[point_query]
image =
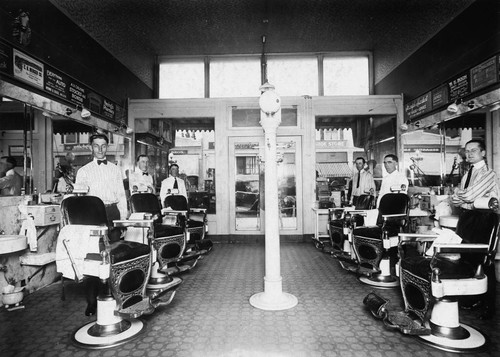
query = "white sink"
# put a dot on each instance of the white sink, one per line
(12, 243)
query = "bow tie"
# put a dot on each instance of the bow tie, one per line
(105, 162)
(145, 173)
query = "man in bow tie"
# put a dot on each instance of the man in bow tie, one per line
(104, 180)
(140, 180)
(173, 185)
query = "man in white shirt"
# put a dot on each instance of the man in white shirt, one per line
(140, 180)
(104, 180)
(393, 179)
(172, 185)
(479, 181)
(362, 181)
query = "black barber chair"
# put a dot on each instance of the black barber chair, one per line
(120, 268)
(341, 223)
(432, 286)
(376, 247)
(196, 221)
(168, 241)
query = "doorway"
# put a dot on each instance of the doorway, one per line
(247, 202)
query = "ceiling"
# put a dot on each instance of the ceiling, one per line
(136, 31)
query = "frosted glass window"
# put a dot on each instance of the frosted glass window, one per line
(293, 76)
(182, 79)
(235, 77)
(346, 76)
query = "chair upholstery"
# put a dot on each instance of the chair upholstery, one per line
(196, 220)
(376, 244)
(472, 227)
(129, 260)
(430, 285)
(339, 222)
(169, 240)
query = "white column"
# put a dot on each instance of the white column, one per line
(273, 297)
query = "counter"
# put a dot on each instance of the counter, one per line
(30, 269)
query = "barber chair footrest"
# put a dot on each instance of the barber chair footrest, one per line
(143, 307)
(367, 271)
(393, 320)
(164, 296)
(347, 262)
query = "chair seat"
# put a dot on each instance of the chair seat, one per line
(162, 230)
(450, 269)
(338, 223)
(195, 224)
(123, 250)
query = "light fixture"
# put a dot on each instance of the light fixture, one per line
(452, 108)
(269, 101)
(85, 113)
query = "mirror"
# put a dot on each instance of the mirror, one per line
(435, 156)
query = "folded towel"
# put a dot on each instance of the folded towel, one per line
(79, 243)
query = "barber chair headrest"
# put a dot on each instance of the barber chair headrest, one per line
(176, 202)
(86, 210)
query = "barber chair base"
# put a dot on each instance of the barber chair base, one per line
(380, 281)
(94, 336)
(475, 342)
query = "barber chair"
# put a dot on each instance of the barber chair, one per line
(195, 218)
(122, 267)
(341, 223)
(376, 246)
(168, 239)
(432, 286)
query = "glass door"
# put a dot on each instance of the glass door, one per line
(247, 173)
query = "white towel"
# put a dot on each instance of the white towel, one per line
(28, 229)
(80, 243)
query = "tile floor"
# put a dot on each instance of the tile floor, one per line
(211, 316)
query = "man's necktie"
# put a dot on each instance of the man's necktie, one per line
(175, 184)
(359, 176)
(145, 174)
(469, 174)
(105, 162)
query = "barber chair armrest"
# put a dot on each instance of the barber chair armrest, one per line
(459, 287)
(461, 248)
(416, 237)
(165, 211)
(198, 210)
(358, 212)
(145, 223)
(387, 217)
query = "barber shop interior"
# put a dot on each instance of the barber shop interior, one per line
(247, 178)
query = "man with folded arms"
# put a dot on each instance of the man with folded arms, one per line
(140, 180)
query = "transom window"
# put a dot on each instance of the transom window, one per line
(292, 75)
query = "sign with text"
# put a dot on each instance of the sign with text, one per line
(459, 87)
(439, 96)
(28, 69)
(418, 106)
(484, 74)
(52, 81)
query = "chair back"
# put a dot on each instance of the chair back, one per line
(479, 226)
(86, 210)
(176, 202)
(393, 203)
(365, 202)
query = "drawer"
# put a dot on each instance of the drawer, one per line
(45, 215)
